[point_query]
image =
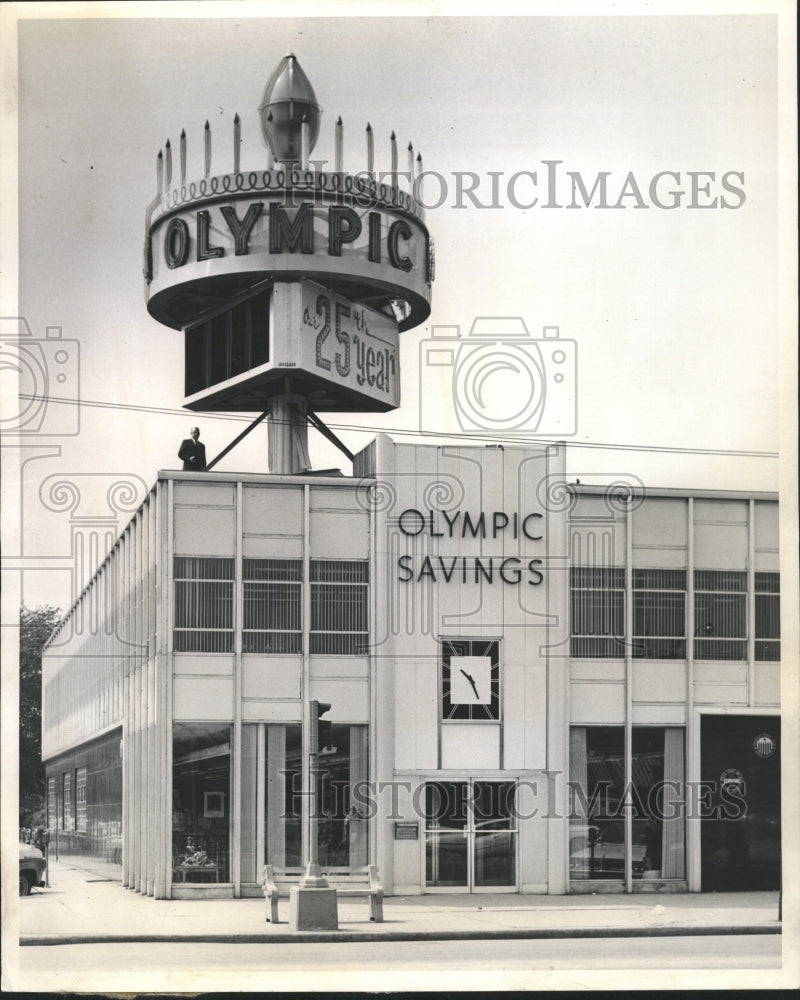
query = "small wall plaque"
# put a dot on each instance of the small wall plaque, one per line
(406, 831)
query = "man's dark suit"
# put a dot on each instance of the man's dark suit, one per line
(191, 449)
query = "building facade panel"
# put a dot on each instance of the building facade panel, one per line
(200, 664)
(204, 531)
(503, 661)
(202, 698)
(768, 684)
(659, 681)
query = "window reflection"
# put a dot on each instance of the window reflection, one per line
(201, 760)
(342, 828)
(600, 801)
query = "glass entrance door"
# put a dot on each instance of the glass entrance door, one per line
(470, 836)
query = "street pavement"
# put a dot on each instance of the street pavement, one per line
(89, 907)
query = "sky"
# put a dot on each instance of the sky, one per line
(673, 315)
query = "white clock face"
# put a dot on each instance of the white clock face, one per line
(470, 680)
(470, 677)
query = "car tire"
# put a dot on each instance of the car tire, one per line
(25, 884)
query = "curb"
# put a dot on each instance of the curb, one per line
(318, 937)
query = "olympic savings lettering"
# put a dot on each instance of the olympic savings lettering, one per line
(471, 569)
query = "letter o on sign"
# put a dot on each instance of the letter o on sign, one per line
(419, 525)
(176, 243)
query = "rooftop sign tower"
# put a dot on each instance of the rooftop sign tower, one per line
(290, 282)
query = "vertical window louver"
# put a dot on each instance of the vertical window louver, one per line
(720, 615)
(272, 606)
(203, 605)
(339, 616)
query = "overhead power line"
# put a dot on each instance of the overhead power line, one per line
(510, 438)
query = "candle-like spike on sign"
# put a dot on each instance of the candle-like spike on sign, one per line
(207, 141)
(418, 182)
(237, 142)
(370, 151)
(167, 164)
(393, 141)
(338, 146)
(410, 167)
(305, 142)
(160, 172)
(183, 155)
(270, 159)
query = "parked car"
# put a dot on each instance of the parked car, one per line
(601, 854)
(31, 868)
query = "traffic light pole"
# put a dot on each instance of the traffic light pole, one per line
(312, 903)
(313, 876)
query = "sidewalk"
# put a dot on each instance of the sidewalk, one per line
(85, 907)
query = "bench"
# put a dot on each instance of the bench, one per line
(361, 882)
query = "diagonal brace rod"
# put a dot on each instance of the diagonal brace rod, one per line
(236, 440)
(328, 433)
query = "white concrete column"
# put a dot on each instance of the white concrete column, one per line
(261, 779)
(288, 436)
(236, 755)
(693, 822)
(165, 644)
(557, 736)
(628, 631)
(751, 604)
(305, 683)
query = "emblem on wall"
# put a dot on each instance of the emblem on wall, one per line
(764, 745)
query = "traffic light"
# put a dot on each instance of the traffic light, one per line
(320, 729)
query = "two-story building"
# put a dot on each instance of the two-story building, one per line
(535, 687)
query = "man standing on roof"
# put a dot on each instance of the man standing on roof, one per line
(193, 452)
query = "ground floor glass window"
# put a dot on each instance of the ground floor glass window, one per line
(201, 794)
(600, 799)
(343, 823)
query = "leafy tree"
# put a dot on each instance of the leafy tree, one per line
(34, 630)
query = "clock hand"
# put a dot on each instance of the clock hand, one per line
(471, 680)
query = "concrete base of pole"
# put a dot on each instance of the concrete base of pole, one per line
(313, 909)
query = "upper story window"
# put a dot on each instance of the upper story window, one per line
(203, 605)
(272, 619)
(598, 611)
(768, 616)
(339, 613)
(659, 614)
(660, 609)
(720, 615)
(273, 602)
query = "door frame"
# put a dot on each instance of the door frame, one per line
(470, 834)
(693, 773)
